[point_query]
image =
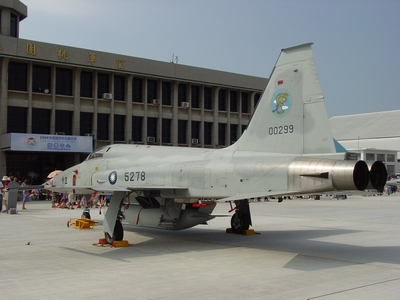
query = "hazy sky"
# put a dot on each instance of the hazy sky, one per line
(356, 42)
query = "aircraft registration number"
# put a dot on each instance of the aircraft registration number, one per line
(286, 129)
(135, 176)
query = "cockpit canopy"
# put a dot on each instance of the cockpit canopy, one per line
(98, 152)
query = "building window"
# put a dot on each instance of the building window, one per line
(256, 99)
(64, 121)
(195, 130)
(370, 156)
(222, 134)
(195, 94)
(245, 103)
(41, 120)
(137, 90)
(207, 98)
(119, 127)
(103, 84)
(152, 128)
(87, 84)
(208, 133)
(390, 157)
(234, 129)
(166, 131)
(17, 76)
(222, 100)
(182, 93)
(102, 127)
(233, 101)
(17, 119)
(14, 26)
(137, 126)
(41, 79)
(166, 93)
(182, 130)
(64, 82)
(380, 157)
(86, 120)
(390, 169)
(244, 128)
(151, 90)
(119, 88)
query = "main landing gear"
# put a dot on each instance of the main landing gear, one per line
(241, 219)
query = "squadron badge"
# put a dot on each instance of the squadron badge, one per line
(281, 102)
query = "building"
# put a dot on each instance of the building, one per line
(58, 102)
(375, 136)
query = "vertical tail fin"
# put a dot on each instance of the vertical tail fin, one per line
(291, 115)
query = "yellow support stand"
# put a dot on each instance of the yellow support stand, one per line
(82, 223)
(244, 232)
(115, 244)
(118, 244)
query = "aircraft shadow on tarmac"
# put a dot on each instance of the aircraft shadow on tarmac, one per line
(311, 254)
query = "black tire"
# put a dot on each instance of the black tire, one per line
(86, 215)
(239, 223)
(118, 233)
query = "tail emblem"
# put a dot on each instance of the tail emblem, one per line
(281, 103)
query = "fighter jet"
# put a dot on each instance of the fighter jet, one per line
(287, 149)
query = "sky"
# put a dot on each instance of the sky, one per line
(356, 42)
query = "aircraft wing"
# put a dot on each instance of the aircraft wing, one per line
(259, 195)
(290, 193)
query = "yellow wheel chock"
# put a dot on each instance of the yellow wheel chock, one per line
(82, 223)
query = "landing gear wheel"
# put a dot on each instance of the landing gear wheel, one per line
(86, 215)
(118, 233)
(239, 222)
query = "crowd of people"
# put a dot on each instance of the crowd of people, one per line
(25, 195)
(57, 200)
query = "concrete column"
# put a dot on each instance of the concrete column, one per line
(29, 87)
(239, 129)
(252, 108)
(53, 100)
(144, 100)
(228, 120)
(201, 136)
(216, 119)
(95, 108)
(189, 125)
(159, 120)
(129, 108)
(175, 106)
(3, 110)
(76, 118)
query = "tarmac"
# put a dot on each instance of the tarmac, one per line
(304, 249)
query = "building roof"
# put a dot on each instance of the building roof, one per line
(104, 61)
(379, 130)
(378, 125)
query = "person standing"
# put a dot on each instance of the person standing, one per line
(6, 181)
(25, 194)
(1, 196)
